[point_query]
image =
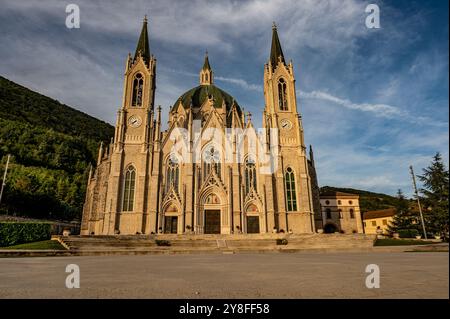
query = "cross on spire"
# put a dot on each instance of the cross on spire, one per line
(276, 53)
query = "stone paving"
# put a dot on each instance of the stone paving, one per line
(282, 275)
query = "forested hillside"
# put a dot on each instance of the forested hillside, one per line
(52, 146)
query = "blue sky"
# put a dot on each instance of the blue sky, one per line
(373, 101)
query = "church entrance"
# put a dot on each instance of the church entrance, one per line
(330, 228)
(212, 221)
(252, 224)
(171, 225)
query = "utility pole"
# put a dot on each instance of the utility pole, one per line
(418, 200)
(4, 177)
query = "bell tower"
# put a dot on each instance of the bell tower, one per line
(291, 182)
(136, 113)
(132, 158)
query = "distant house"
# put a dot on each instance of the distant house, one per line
(340, 212)
(378, 219)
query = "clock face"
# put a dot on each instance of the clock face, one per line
(134, 121)
(286, 124)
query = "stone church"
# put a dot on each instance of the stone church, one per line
(140, 186)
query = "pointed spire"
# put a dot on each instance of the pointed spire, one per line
(143, 47)
(100, 153)
(159, 114)
(206, 65)
(276, 52)
(311, 154)
(206, 73)
(90, 173)
(158, 124)
(111, 145)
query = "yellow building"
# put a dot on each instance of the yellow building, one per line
(378, 219)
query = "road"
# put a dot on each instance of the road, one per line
(272, 275)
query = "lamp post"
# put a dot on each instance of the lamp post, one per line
(4, 177)
(418, 201)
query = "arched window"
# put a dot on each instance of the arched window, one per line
(291, 196)
(173, 174)
(250, 175)
(138, 85)
(328, 212)
(352, 213)
(282, 95)
(128, 190)
(211, 160)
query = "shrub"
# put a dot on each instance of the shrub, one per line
(408, 233)
(162, 242)
(13, 233)
(282, 241)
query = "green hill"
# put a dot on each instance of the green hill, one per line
(367, 200)
(52, 146)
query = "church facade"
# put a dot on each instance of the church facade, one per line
(219, 183)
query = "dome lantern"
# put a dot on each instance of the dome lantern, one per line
(206, 73)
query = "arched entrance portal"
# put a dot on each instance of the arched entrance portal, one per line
(171, 220)
(252, 220)
(330, 228)
(212, 214)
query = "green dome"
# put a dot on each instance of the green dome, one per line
(198, 95)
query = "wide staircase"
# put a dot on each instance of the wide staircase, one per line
(171, 244)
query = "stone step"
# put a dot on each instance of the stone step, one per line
(217, 242)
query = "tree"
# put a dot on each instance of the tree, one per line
(403, 219)
(435, 195)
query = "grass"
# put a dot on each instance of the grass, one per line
(400, 242)
(38, 245)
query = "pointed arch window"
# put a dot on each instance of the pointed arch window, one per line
(291, 195)
(282, 95)
(138, 85)
(250, 175)
(173, 174)
(128, 190)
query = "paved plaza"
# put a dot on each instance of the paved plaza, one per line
(272, 275)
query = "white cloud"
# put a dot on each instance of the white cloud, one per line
(379, 109)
